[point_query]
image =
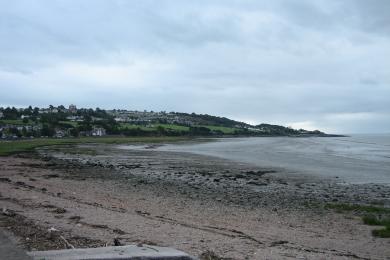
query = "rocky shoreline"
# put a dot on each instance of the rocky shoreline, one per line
(94, 195)
(222, 180)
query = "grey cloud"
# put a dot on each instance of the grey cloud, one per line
(286, 62)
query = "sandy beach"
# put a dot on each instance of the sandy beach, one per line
(93, 195)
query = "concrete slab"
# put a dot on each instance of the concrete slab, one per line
(9, 249)
(131, 252)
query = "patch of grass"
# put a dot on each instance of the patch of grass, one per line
(13, 122)
(376, 221)
(384, 232)
(358, 208)
(153, 127)
(378, 216)
(223, 129)
(371, 220)
(11, 147)
(131, 126)
(174, 127)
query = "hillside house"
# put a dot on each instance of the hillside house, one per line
(98, 131)
(59, 133)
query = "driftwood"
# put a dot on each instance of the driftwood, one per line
(69, 245)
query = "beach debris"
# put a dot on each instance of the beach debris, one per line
(117, 242)
(49, 176)
(279, 242)
(53, 233)
(97, 225)
(209, 255)
(8, 212)
(2, 179)
(68, 245)
(144, 213)
(59, 211)
(119, 231)
(52, 229)
(75, 218)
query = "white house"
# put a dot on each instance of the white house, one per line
(98, 131)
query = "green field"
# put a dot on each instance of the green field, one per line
(174, 127)
(11, 147)
(225, 130)
(12, 122)
(131, 126)
(153, 127)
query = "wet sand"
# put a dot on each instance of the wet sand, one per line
(95, 194)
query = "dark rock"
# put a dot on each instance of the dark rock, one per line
(59, 211)
(8, 212)
(5, 180)
(49, 176)
(117, 242)
(280, 242)
(75, 218)
(119, 231)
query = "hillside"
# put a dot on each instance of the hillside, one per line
(73, 122)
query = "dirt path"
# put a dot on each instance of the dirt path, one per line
(92, 206)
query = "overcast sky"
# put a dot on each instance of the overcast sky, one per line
(313, 64)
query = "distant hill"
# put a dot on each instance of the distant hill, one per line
(71, 122)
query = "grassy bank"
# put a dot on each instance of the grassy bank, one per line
(11, 147)
(371, 215)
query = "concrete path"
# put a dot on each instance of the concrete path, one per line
(114, 253)
(9, 250)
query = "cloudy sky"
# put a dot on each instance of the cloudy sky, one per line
(316, 64)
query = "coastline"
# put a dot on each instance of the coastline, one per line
(195, 203)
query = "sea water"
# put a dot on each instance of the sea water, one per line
(354, 159)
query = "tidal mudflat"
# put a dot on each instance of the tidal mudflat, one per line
(105, 194)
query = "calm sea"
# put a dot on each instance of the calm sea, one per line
(355, 159)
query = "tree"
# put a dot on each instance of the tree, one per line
(35, 111)
(24, 132)
(47, 130)
(161, 130)
(11, 113)
(74, 132)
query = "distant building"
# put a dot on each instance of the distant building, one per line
(72, 108)
(98, 131)
(94, 119)
(120, 119)
(1, 114)
(59, 133)
(44, 111)
(75, 118)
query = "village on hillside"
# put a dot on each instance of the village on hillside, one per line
(61, 121)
